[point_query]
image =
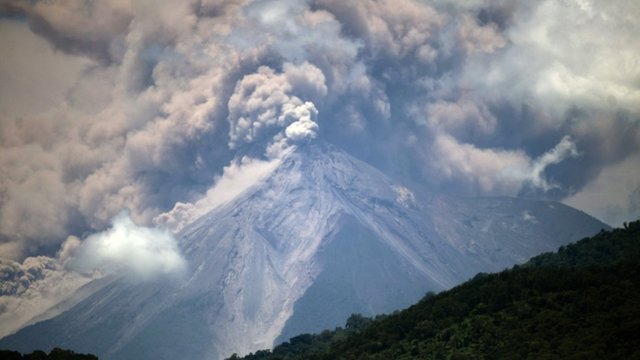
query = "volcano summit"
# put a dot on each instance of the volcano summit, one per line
(322, 236)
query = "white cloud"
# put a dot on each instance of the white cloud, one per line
(304, 128)
(565, 54)
(129, 250)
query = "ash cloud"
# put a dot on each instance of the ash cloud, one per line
(475, 97)
(236, 178)
(263, 104)
(31, 287)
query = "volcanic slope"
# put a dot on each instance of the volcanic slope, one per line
(323, 236)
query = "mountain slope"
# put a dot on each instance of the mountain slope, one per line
(323, 236)
(579, 303)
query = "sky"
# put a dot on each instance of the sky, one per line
(132, 117)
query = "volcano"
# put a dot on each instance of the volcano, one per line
(323, 236)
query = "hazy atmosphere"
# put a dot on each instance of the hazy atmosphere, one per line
(120, 121)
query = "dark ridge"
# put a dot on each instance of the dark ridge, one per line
(581, 302)
(55, 354)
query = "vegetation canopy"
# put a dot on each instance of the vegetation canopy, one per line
(581, 302)
(55, 354)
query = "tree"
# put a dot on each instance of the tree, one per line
(357, 322)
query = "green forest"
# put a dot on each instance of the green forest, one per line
(55, 354)
(581, 302)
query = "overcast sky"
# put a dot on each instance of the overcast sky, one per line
(108, 106)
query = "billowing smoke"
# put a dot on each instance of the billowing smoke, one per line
(236, 178)
(263, 104)
(497, 171)
(32, 287)
(157, 106)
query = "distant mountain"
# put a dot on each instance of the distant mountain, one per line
(323, 236)
(579, 303)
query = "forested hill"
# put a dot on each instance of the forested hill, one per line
(582, 302)
(55, 354)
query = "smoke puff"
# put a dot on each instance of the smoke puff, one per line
(262, 104)
(131, 251)
(564, 149)
(303, 127)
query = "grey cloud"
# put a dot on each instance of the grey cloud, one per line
(547, 59)
(489, 171)
(462, 117)
(469, 96)
(476, 38)
(389, 28)
(496, 171)
(612, 195)
(31, 189)
(86, 28)
(634, 201)
(95, 160)
(216, 8)
(26, 87)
